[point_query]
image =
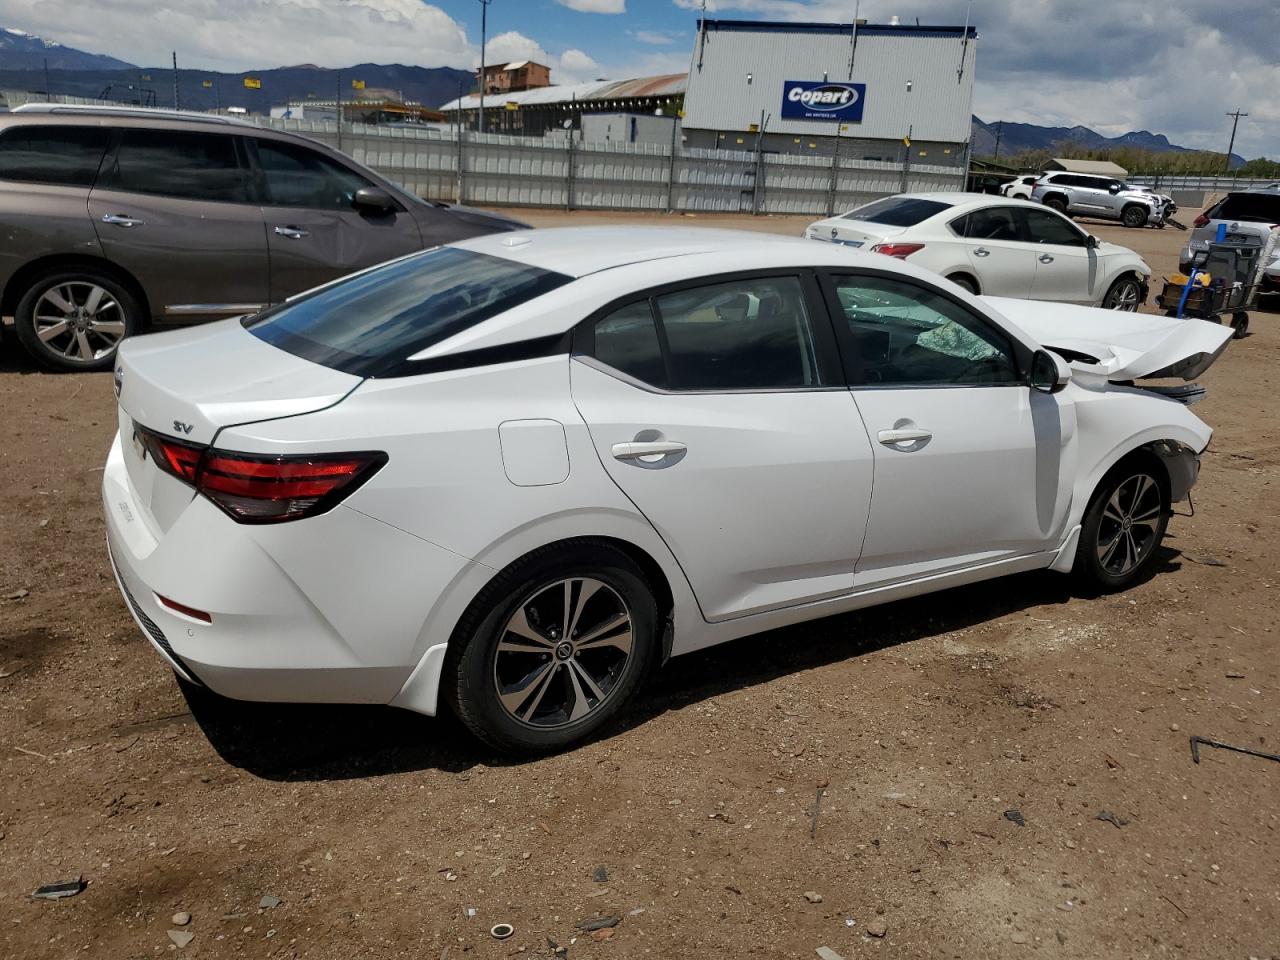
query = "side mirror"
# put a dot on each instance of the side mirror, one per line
(374, 200)
(1049, 372)
(1091, 242)
(1113, 188)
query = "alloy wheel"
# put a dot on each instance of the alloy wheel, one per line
(1124, 297)
(1130, 522)
(79, 321)
(562, 652)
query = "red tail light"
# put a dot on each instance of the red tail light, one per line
(257, 488)
(1201, 221)
(899, 250)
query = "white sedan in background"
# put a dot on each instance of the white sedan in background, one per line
(998, 247)
(513, 474)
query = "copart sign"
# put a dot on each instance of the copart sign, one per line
(822, 100)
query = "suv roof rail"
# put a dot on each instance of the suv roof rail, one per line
(89, 109)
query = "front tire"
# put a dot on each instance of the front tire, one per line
(553, 648)
(1124, 294)
(1133, 216)
(75, 319)
(1123, 525)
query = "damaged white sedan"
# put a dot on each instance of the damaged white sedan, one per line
(515, 473)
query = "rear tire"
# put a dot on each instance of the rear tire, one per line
(1124, 524)
(1240, 324)
(1056, 203)
(75, 318)
(534, 667)
(965, 281)
(1134, 216)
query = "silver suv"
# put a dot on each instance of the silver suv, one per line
(1250, 212)
(1087, 195)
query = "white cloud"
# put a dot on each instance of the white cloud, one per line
(241, 34)
(595, 6)
(653, 37)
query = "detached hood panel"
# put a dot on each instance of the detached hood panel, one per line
(1115, 345)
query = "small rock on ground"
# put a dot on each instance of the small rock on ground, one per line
(877, 927)
(181, 937)
(181, 918)
(813, 896)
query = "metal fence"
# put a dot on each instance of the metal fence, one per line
(499, 170)
(1207, 182)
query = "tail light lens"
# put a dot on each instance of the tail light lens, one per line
(1201, 221)
(899, 250)
(257, 488)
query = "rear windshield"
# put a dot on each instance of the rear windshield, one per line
(369, 325)
(1253, 207)
(898, 211)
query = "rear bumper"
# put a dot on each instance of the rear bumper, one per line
(331, 609)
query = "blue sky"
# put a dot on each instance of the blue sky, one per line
(1172, 67)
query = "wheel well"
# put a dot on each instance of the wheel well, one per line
(1149, 453)
(1056, 196)
(966, 275)
(25, 275)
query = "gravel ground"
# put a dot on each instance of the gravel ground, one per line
(923, 724)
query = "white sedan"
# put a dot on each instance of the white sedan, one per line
(513, 474)
(1005, 248)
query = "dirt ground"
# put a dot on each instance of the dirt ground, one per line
(925, 723)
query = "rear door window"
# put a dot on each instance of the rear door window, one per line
(178, 163)
(369, 325)
(66, 156)
(1041, 226)
(992, 223)
(898, 211)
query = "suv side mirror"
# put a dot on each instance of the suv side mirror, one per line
(1049, 372)
(1113, 188)
(374, 200)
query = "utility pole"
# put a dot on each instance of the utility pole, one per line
(1235, 119)
(999, 135)
(175, 79)
(484, 26)
(338, 104)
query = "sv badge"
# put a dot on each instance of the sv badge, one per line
(183, 427)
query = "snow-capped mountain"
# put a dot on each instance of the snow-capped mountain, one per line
(20, 50)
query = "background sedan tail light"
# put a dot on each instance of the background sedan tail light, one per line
(899, 250)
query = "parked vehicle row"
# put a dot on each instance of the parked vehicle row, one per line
(1252, 213)
(513, 474)
(117, 219)
(991, 246)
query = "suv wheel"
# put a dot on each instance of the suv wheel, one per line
(1056, 203)
(1123, 295)
(1134, 215)
(74, 319)
(553, 648)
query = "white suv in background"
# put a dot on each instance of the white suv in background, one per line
(1002, 248)
(1085, 195)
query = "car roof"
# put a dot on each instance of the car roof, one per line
(579, 251)
(82, 111)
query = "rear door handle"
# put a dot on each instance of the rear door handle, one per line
(982, 252)
(1045, 258)
(893, 437)
(293, 233)
(635, 449)
(122, 220)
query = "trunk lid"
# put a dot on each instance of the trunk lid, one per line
(189, 384)
(1113, 345)
(859, 234)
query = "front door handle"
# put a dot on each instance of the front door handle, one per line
(293, 233)
(892, 438)
(981, 252)
(122, 220)
(636, 449)
(1045, 258)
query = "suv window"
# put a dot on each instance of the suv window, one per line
(1250, 207)
(68, 156)
(370, 324)
(298, 177)
(178, 163)
(1041, 226)
(903, 334)
(991, 223)
(898, 211)
(1063, 179)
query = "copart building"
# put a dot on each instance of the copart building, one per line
(883, 91)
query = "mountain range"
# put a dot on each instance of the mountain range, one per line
(77, 73)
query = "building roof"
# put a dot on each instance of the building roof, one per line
(667, 85)
(1101, 168)
(864, 29)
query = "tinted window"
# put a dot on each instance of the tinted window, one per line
(1041, 226)
(900, 333)
(1251, 207)
(178, 163)
(898, 211)
(298, 177)
(742, 335)
(370, 324)
(1064, 180)
(61, 155)
(628, 341)
(992, 223)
